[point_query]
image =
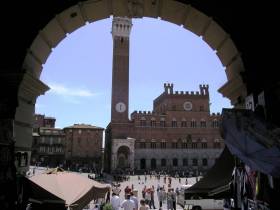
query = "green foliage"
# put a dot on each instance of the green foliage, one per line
(108, 206)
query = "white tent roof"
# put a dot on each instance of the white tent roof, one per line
(75, 189)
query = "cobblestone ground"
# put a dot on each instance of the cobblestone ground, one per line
(137, 186)
(153, 181)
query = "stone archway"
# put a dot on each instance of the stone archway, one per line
(172, 11)
(123, 154)
(71, 19)
(143, 164)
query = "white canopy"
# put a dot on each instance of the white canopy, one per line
(76, 190)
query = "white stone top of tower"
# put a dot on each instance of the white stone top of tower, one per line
(121, 26)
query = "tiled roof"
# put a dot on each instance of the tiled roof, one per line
(84, 126)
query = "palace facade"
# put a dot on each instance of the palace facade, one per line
(178, 134)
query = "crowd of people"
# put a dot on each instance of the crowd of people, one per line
(144, 200)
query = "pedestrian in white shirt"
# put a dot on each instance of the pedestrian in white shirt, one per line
(135, 200)
(115, 201)
(128, 204)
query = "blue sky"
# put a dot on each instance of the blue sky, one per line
(79, 69)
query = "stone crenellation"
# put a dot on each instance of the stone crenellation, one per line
(216, 114)
(168, 89)
(121, 27)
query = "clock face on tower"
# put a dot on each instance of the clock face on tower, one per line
(120, 107)
(187, 106)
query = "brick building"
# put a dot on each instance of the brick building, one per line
(43, 121)
(178, 134)
(84, 146)
(48, 143)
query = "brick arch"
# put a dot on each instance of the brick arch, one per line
(183, 15)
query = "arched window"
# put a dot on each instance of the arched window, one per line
(203, 123)
(193, 123)
(184, 123)
(175, 162)
(215, 123)
(153, 145)
(174, 123)
(143, 163)
(143, 122)
(153, 122)
(184, 144)
(204, 143)
(163, 145)
(162, 122)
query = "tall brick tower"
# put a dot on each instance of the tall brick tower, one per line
(121, 27)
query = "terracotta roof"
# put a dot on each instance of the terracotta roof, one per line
(47, 128)
(84, 126)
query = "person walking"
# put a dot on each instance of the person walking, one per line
(115, 201)
(173, 196)
(160, 197)
(128, 204)
(169, 200)
(134, 199)
(143, 205)
(108, 197)
(152, 197)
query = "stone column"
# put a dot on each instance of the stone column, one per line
(9, 84)
(113, 161)
(131, 160)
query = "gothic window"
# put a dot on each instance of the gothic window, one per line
(143, 122)
(193, 123)
(184, 123)
(194, 145)
(163, 145)
(174, 123)
(215, 123)
(153, 145)
(162, 123)
(153, 122)
(204, 145)
(203, 123)
(184, 145)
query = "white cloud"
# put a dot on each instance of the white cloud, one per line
(62, 90)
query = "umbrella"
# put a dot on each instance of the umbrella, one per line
(249, 138)
(76, 190)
